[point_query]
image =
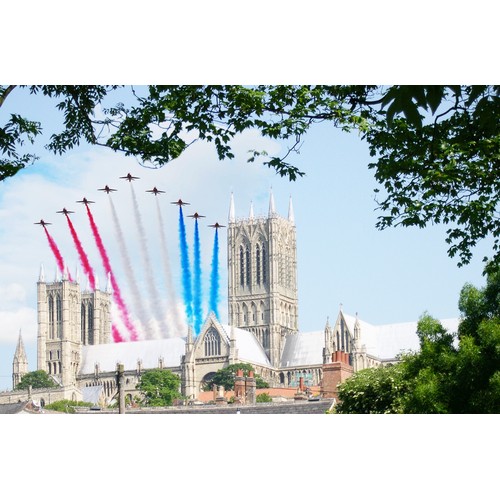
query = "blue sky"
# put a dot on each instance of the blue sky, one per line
(386, 276)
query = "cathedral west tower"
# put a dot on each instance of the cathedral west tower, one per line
(262, 277)
(67, 320)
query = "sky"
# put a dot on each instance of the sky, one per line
(388, 276)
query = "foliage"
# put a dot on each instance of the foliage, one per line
(225, 377)
(436, 146)
(263, 398)
(66, 405)
(373, 390)
(450, 373)
(38, 379)
(159, 387)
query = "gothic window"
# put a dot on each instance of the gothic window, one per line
(83, 323)
(51, 317)
(257, 264)
(242, 267)
(91, 324)
(248, 268)
(264, 265)
(254, 314)
(59, 315)
(212, 343)
(282, 378)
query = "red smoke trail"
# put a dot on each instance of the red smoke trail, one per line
(116, 334)
(57, 254)
(83, 256)
(116, 290)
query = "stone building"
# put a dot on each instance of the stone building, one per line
(76, 349)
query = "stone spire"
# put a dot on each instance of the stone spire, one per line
(251, 210)
(357, 329)
(291, 216)
(41, 278)
(231, 209)
(97, 282)
(272, 208)
(20, 362)
(109, 288)
(77, 275)
(56, 278)
(20, 351)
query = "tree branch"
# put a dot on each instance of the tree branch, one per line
(5, 93)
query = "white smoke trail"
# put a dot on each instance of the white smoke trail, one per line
(172, 308)
(153, 293)
(139, 305)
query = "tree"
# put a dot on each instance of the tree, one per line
(225, 377)
(37, 380)
(436, 146)
(159, 387)
(451, 373)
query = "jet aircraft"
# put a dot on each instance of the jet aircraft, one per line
(154, 191)
(107, 189)
(196, 215)
(65, 212)
(42, 223)
(129, 177)
(216, 225)
(179, 202)
(85, 201)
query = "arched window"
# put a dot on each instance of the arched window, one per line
(212, 343)
(51, 317)
(242, 267)
(264, 265)
(83, 323)
(257, 264)
(248, 269)
(91, 324)
(59, 316)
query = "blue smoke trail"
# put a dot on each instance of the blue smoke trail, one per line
(186, 272)
(197, 280)
(214, 277)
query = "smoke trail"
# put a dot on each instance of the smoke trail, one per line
(153, 293)
(83, 256)
(186, 272)
(116, 290)
(57, 254)
(116, 334)
(168, 276)
(197, 280)
(214, 277)
(129, 272)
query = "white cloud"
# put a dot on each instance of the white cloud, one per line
(22, 319)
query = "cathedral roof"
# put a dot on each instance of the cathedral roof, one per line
(248, 346)
(128, 353)
(303, 349)
(387, 341)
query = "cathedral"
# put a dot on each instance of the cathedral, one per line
(75, 348)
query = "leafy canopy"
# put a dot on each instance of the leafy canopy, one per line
(451, 373)
(159, 387)
(225, 377)
(436, 147)
(37, 380)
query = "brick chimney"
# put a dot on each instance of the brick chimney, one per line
(239, 387)
(250, 386)
(335, 373)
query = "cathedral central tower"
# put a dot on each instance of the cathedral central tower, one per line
(262, 277)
